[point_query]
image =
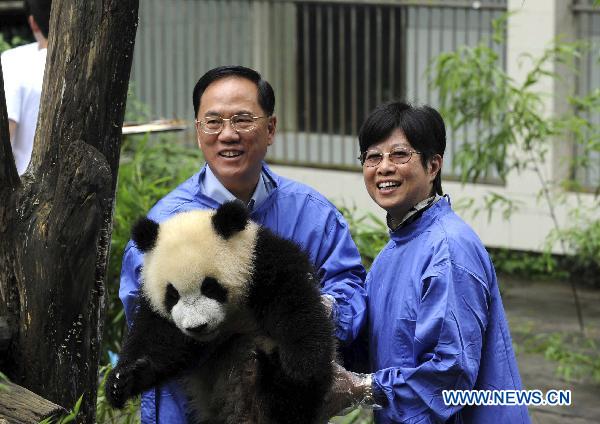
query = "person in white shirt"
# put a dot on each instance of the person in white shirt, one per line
(23, 70)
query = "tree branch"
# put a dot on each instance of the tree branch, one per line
(548, 197)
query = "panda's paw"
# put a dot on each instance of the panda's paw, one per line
(123, 382)
(117, 388)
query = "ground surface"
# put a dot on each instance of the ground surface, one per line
(548, 307)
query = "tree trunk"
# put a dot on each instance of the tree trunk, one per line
(55, 222)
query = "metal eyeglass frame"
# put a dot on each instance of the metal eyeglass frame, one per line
(202, 123)
(363, 155)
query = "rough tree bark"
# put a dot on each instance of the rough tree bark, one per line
(55, 222)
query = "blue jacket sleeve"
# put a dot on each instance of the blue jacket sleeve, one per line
(342, 276)
(165, 404)
(130, 279)
(129, 290)
(442, 345)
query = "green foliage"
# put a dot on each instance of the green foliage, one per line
(356, 416)
(135, 110)
(3, 379)
(368, 232)
(527, 265)
(492, 202)
(585, 133)
(582, 238)
(512, 132)
(105, 414)
(577, 356)
(68, 418)
(14, 42)
(4, 45)
(149, 169)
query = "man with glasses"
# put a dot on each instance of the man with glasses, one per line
(435, 320)
(235, 124)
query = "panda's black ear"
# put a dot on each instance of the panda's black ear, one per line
(230, 218)
(144, 234)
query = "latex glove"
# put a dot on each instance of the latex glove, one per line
(329, 303)
(349, 391)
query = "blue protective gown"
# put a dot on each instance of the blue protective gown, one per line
(292, 210)
(436, 322)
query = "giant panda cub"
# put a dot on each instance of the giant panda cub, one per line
(233, 312)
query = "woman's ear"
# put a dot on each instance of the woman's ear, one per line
(434, 166)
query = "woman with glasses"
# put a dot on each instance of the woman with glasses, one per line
(434, 319)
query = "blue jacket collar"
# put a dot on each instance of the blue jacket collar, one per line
(416, 228)
(214, 204)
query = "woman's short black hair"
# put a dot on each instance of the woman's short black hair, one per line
(266, 96)
(422, 126)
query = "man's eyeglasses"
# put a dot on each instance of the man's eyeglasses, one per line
(243, 122)
(398, 156)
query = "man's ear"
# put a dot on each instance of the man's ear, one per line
(199, 133)
(271, 126)
(33, 24)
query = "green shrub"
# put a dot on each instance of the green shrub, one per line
(356, 416)
(9, 44)
(69, 417)
(369, 233)
(527, 265)
(583, 240)
(149, 169)
(576, 356)
(105, 414)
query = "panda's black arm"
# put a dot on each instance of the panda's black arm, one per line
(286, 301)
(154, 352)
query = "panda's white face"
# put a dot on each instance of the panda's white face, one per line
(195, 277)
(197, 314)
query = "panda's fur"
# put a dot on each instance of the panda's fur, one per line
(233, 312)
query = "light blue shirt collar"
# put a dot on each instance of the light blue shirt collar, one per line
(213, 188)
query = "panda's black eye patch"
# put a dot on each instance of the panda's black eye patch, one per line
(171, 297)
(211, 288)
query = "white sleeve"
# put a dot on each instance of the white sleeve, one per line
(12, 90)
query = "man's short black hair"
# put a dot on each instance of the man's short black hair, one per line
(266, 96)
(40, 10)
(422, 126)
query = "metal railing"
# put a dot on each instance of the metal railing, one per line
(354, 56)
(11, 5)
(587, 23)
(330, 63)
